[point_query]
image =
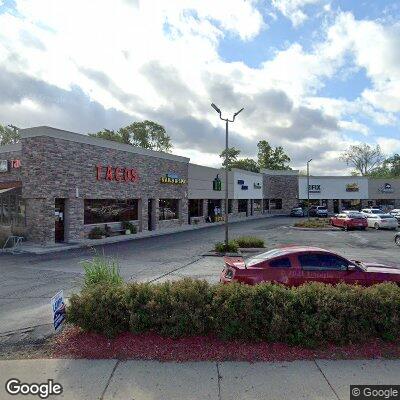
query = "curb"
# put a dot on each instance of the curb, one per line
(316, 229)
(242, 250)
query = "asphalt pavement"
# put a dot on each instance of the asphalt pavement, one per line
(29, 281)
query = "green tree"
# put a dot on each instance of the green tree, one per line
(247, 164)
(270, 158)
(389, 169)
(111, 135)
(233, 154)
(8, 136)
(364, 158)
(146, 134)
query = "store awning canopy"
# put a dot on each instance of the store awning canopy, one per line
(7, 190)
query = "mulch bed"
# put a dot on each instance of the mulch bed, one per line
(73, 343)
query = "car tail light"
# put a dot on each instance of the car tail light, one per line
(229, 273)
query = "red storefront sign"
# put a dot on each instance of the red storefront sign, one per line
(117, 174)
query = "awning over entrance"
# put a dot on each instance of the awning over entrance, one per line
(7, 190)
(10, 185)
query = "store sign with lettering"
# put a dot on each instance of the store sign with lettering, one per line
(217, 184)
(6, 165)
(173, 178)
(352, 187)
(116, 174)
(386, 188)
(314, 188)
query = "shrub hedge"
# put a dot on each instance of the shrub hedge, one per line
(309, 315)
(249, 241)
(313, 223)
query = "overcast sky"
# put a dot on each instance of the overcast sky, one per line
(314, 76)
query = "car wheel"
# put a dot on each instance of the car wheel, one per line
(376, 226)
(397, 240)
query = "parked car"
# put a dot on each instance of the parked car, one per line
(382, 221)
(318, 211)
(396, 213)
(297, 212)
(353, 220)
(397, 239)
(296, 265)
(368, 211)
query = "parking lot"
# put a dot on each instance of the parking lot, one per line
(29, 281)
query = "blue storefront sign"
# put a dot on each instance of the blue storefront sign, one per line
(58, 308)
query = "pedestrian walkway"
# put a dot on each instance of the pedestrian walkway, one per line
(152, 380)
(33, 248)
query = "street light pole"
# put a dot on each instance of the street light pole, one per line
(227, 120)
(308, 189)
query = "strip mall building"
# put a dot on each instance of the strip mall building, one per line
(59, 185)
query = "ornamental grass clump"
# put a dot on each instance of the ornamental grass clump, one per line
(249, 242)
(101, 270)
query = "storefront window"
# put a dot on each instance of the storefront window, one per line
(275, 204)
(385, 204)
(168, 209)
(242, 205)
(214, 207)
(257, 205)
(351, 204)
(266, 204)
(12, 208)
(195, 208)
(99, 211)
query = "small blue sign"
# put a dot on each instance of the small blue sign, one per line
(58, 308)
(240, 181)
(244, 187)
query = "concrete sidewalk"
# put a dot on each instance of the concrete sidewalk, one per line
(33, 248)
(152, 380)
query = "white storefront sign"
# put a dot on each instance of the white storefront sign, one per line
(325, 188)
(247, 185)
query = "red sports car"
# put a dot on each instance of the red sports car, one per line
(350, 221)
(293, 266)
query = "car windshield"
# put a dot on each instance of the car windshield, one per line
(385, 216)
(376, 211)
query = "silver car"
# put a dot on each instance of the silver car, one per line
(382, 221)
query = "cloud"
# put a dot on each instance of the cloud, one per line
(293, 9)
(160, 60)
(26, 102)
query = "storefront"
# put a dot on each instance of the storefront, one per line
(335, 192)
(280, 191)
(71, 184)
(384, 193)
(207, 194)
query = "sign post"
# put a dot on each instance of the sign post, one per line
(58, 309)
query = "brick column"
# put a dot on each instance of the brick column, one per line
(74, 219)
(330, 206)
(143, 204)
(183, 211)
(205, 208)
(40, 220)
(156, 213)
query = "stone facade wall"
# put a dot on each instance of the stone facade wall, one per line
(285, 187)
(65, 169)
